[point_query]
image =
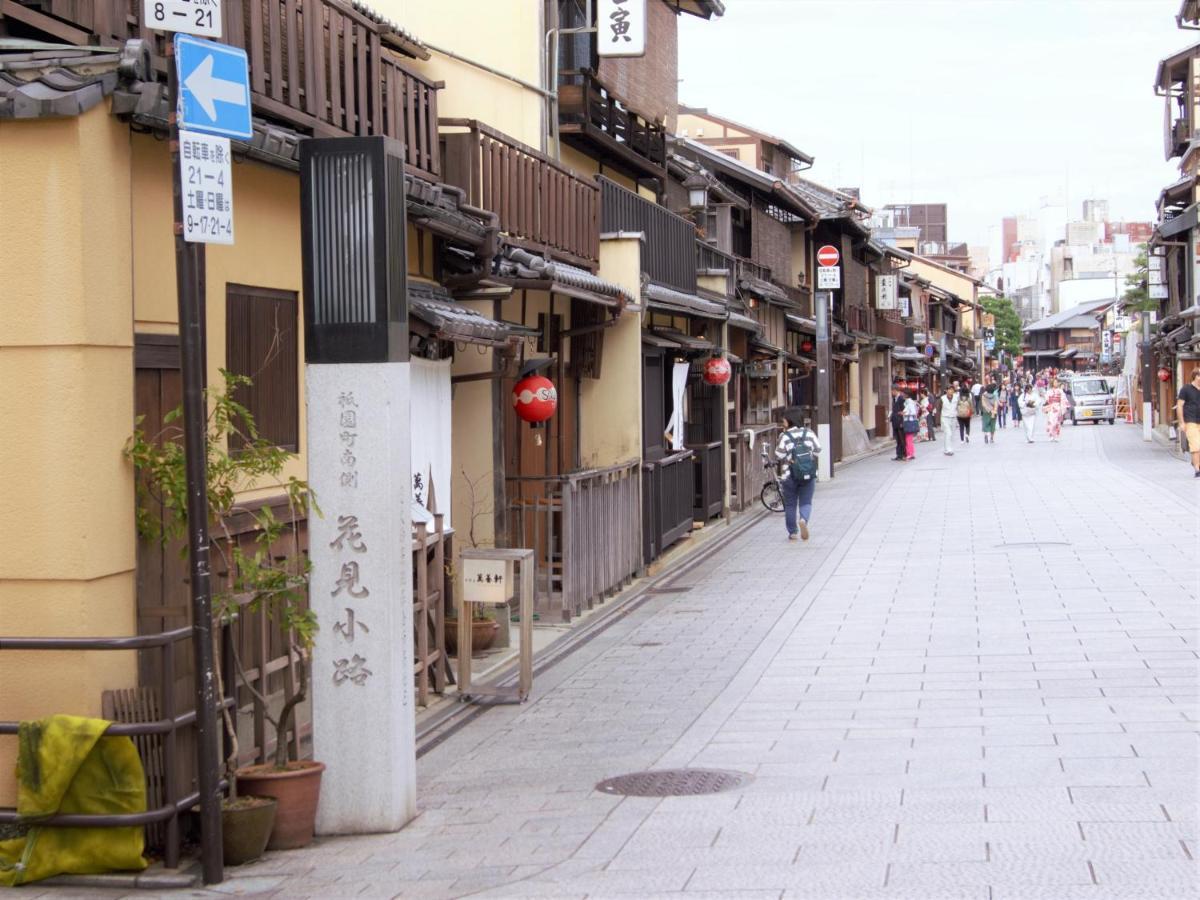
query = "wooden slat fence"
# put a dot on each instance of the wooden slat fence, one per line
(318, 65)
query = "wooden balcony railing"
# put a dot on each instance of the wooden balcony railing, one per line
(317, 65)
(587, 108)
(669, 253)
(710, 259)
(543, 206)
(886, 328)
(585, 528)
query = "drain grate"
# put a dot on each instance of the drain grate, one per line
(679, 589)
(648, 644)
(674, 782)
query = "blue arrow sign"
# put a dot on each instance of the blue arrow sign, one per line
(214, 88)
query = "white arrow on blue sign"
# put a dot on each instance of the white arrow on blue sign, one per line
(214, 88)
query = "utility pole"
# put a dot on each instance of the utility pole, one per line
(1147, 380)
(190, 286)
(824, 302)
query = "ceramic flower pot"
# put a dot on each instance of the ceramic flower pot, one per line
(246, 825)
(297, 788)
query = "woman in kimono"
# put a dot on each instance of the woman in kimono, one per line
(1055, 407)
(1029, 403)
(924, 432)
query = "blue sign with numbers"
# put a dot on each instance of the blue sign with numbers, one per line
(214, 88)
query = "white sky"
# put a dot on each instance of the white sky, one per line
(987, 105)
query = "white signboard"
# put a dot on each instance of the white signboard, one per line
(906, 307)
(487, 581)
(1155, 278)
(202, 17)
(829, 278)
(621, 27)
(1106, 343)
(885, 292)
(206, 176)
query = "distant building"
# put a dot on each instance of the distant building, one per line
(1095, 210)
(931, 222)
(755, 148)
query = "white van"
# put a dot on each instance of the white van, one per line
(1092, 399)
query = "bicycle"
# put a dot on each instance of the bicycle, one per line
(771, 494)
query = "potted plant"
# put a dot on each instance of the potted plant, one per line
(261, 578)
(483, 630)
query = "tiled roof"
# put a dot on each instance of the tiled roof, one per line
(521, 265)
(1081, 316)
(399, 38)
(666, 298)
(451, 321)
(40, 80)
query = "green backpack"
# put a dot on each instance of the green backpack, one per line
(802, 462)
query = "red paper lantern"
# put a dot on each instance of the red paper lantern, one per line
(806, 346)
(535, 398)
(1164, 374)
(717, 371)
(913, 385)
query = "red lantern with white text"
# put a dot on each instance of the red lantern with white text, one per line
(535, 398)
(1164, 374)
(717, 371)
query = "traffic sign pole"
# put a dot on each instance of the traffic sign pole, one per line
(190, 283)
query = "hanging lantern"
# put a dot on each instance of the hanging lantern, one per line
(806, 346)
(1164, 374)
(717, 371)
(535, 398)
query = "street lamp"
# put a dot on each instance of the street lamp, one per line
(697, 188)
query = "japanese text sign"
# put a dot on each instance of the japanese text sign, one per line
(621, 27)
(885, 292)
(487, 581)
(829, 278)
(206, 176)
(201, 17)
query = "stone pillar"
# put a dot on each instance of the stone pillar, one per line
(364, 725)
(357, 377)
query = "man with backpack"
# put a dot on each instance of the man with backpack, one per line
(797, 454)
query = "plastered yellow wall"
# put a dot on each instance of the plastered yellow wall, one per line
(711, 128)
(66, 408)
(473, 434)
(610, 406)
(505, 36)
(265, 253)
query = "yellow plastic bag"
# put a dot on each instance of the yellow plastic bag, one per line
(66, 765)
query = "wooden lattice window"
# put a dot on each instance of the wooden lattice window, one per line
(261, 343)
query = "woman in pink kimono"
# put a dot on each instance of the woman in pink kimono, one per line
(1054, 409)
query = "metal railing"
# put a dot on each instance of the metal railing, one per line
(586, 530)
(175, 801)
(543, 206)
(669, 254)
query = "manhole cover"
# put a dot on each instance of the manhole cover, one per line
(669, 590)
(674, 782)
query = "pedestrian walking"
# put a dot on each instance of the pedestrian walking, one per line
(1002, 405)
(897, 421)
(931, 403)
(1029, 402)
(963, 411)
(1187, 412)
(797, 454)
(924, 417)
(1054, 405)
(1014, 401)
(949, 409)
(912, 416)
(988, 404)
(976, 390)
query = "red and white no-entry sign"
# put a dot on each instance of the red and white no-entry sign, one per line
(828, 255)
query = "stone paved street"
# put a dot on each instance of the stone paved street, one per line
(977, 680)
